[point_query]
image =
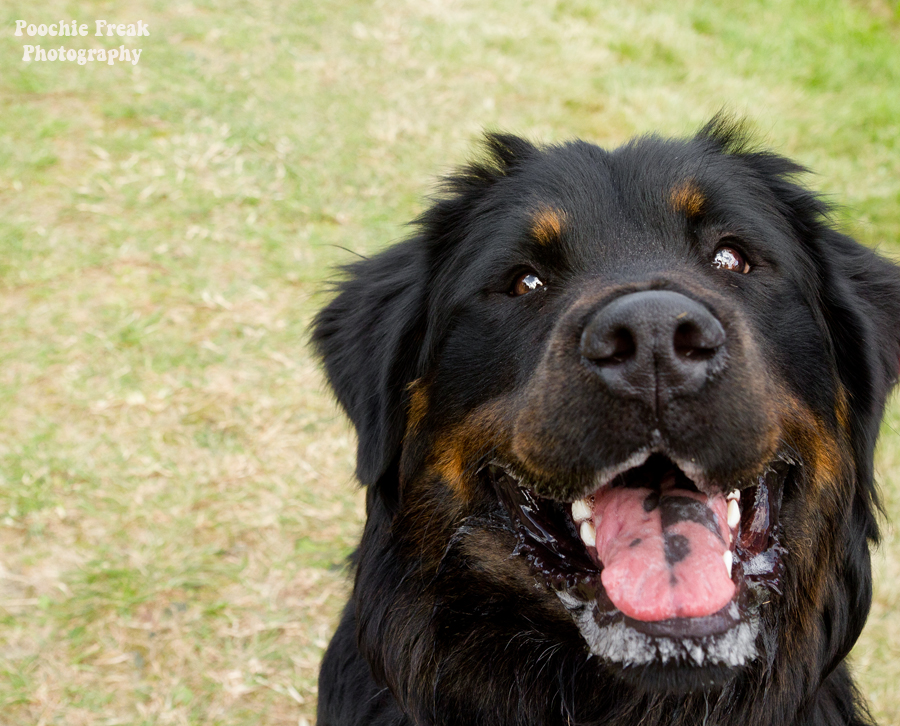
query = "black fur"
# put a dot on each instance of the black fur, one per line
(449, 622)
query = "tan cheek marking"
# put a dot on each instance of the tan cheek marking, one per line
(812, 544)
(824, 450)
(457, 454)
(548, 224)
(688, 198)
(842, 410)
(827, 454)
(418, 405)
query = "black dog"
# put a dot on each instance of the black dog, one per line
(616, 415)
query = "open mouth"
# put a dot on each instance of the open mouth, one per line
(656, 566)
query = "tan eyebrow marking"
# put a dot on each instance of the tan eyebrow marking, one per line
(687, 197)
(548, 224)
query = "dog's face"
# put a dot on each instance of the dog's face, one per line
(619, 404)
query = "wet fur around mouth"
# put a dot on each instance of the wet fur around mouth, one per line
(578, 344)
(655, 651)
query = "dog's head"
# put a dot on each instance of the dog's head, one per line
(621, 404)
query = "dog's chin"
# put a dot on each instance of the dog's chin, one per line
(694, 654)
(702, 643)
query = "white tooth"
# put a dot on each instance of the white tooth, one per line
(734, 514)
(729, 559)
(588, 535)
(581, 510)
(734, 494)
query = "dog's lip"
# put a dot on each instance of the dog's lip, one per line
(607, 475)
(696, 473)
(558, 554)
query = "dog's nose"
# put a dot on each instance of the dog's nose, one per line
(654, 345)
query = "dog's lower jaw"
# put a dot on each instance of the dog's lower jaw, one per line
(612, 639)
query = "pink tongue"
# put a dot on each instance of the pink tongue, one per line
(662, 554)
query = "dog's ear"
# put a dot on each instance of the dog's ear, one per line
(863, 294)
(369, 338)
(861, 297)
(371, 335)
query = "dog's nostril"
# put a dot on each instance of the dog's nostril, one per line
(698, 340)
(617, 346)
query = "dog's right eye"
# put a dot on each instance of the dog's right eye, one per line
(728, 258)
(525, 283)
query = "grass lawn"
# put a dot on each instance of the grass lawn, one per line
(176, 488)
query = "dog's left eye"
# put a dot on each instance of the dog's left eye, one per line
(525, 283)
(728, 258)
